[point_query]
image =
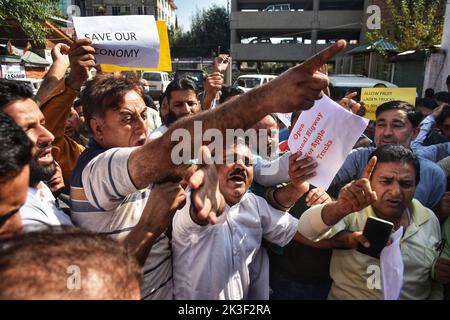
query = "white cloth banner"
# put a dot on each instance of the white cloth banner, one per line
(391, 263)
(327, 132)
(127, 41)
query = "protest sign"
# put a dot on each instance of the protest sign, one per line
(165, 61)
(129, 41)
(285, 118)
(374, 97)
(327, 132)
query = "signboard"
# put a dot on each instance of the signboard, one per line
(374, 97)
(12, 71)
(129, 41)
(327, 133)
(165, 62)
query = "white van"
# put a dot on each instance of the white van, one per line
(157, 81)
(250, 81)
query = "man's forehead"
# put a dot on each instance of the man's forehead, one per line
(24, 111)
(402, 169)
(392, 114)
(183, 94)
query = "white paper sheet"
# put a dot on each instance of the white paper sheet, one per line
(391, 264)
(128, 41)
(285, 118)
(327, 132)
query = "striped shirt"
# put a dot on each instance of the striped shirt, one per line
(104, 200)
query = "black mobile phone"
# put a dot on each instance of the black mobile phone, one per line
(377, 231)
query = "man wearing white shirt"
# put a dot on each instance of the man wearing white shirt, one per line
(41, 207)
(213, 261)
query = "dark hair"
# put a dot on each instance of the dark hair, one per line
(414, 117)
(11, 91)
(149, 101)
(15, 148)
(397, 154)
(448, 80)
(181, 84)
(229, 92)
(442, 96)
(380, 85)
(37, 265)
(429, 93)
(444, 115)
(428, 103)
(106, 92)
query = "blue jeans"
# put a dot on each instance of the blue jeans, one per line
(285, 288)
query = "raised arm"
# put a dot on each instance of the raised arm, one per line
(295, 89)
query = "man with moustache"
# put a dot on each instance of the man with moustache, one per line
(110, 184)
(385, 190)
(41, 207)
(222, 254)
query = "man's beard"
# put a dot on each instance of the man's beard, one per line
(172, 117)
(40, 172)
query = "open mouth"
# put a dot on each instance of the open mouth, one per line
(141, 141)
(45, 156)
(238, 176)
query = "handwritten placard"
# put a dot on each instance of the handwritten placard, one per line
(128, 41)
(327, 133)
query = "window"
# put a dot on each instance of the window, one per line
(127, 10)
(140, 10)
(115, 11)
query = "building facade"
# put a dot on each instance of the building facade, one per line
(273, 30)
(161, 9)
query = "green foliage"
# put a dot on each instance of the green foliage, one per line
(29, 15)
(414, 25)
(209, 29)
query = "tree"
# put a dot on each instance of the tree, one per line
(210, 29)
(415, 24)
(29, 15)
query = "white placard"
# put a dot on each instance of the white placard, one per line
(327, 132)
(285, 118)
(391, 262)
(127, 41)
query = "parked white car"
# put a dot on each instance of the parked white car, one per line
(342, 83)
(157, 82)
(250, 81)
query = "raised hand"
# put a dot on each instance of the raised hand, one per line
(357, 194)
(60, 54)
(299, 87)
(207, 202)
(300, 171)
(349, 104)
(221, 63)
(81, 56)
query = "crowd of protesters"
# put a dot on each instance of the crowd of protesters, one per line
(93, 204)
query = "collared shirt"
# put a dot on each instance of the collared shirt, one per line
(352, 272)
(42, 209)
(213, 261)
(429, 191)
(105, 200)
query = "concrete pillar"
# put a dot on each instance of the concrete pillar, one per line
(446, 47)
(437, 68)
